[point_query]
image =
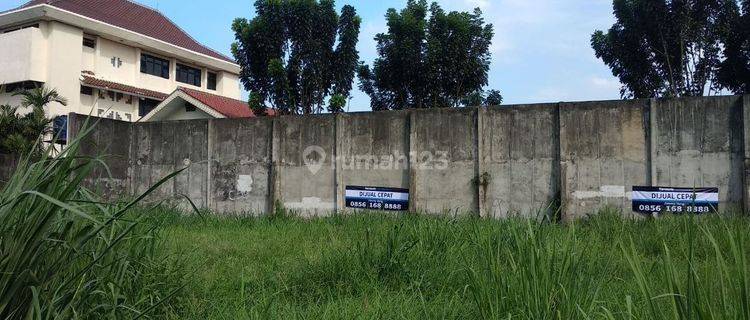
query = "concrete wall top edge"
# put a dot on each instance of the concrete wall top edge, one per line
(604, 104)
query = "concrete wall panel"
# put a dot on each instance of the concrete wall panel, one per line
(162, 148)
(698, 142)
(444, 170)
(240, 165)
(372, 150)
(603, 153)
(303, 163)
(519, 147)
(111, 141)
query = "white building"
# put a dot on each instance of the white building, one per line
(116, 59)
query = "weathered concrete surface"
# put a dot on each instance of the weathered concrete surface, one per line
(111, 140)
(603, 154)
(372, 150)
(525, 159)
(160, 149)
(240, 152)
(304, 148)
(519, 163)
(698, 142)
(444, 172)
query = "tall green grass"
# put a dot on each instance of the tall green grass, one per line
(66, 254)
(532, 275)
(688, 290)
(420, 267)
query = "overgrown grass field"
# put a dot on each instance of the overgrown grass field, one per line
(415, 267)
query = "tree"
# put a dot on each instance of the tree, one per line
(38, 98)
(734, 70)
(662, 48)
(19, 134)
(494, 98)
(296, 53)
(337, 103)
(435, 62)
(474, 99)
(483, 99)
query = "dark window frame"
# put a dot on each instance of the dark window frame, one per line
(22, 86)
(60, 129)
(155, 66)
(187, 73)
(145, 105)
(26, 26)
(86, 90)
(89, 42)
(211, 79)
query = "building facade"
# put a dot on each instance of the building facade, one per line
(109, 58)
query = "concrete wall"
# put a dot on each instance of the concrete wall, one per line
(603, 153)
(699, 142)
(372, 150)
(111, 140)
(519, 161)
(240, 166)
(525, 160)
(159, 149)
(312, 192)
(444, 144)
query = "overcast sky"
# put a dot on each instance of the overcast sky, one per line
(540, 52)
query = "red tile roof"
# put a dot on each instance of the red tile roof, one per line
(104, 84)
(134, 17)
(230, 108)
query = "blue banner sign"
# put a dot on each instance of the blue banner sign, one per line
(675, 200)
(377, 198)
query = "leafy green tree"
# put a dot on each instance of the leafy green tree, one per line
(38, 98)
(474, 99)
(482, 98)
(662, 48)
(434, 61)
(734, 70)
(337, 103)
(493, 98)
(20, 133)
(296, 53)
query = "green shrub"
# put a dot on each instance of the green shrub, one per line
(65, 254)
(19, 133)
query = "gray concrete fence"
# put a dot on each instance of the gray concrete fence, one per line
(497, 162)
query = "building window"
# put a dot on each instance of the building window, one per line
(60, 129)
(34, 25)
(89, 91)
(145, 105)
(188, 75)
(189, 107)
(22, 86)
(211, 81)
(154, 66)
(89, 42)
